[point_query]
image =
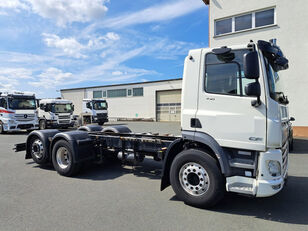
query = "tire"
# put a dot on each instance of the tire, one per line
(1, 128)
(63, 159)
(38, 151)
(291, 145)
(196, 178)
(42, 124)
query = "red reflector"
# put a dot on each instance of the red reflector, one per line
(5, 111)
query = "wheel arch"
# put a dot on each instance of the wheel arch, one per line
(80, 143)
(200, 141)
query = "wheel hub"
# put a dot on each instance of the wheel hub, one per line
(62, 158)
(194, 179)
(37, 149)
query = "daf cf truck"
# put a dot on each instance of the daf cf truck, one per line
(94, 111)
(234, 130)
(55, 113)
(17, 112)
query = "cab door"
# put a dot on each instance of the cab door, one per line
(224, 111)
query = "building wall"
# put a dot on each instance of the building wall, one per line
(130, 106)
(291, 34)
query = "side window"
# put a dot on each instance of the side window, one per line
(222, 79)
(225, 75)
(3, 103)
(89, 105)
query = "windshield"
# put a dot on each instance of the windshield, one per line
(274, 83)
(99, 105)
(62, 108)
(22, 103)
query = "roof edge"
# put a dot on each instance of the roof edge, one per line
(122, 84)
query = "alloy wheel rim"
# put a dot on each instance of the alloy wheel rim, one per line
(194, 179)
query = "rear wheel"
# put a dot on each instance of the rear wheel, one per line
(38, 151)
(42, 124)
(196, 178)
(63, 159)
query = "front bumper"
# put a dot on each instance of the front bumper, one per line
(20, 126)
(264, 185)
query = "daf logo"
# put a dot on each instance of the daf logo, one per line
(25, 116)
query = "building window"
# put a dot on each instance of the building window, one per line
(104, 94)
(224, 26)
(264, 18)
(129, 92)
(138, 91)
(247, 21)
(97, 94)
(116, 93)
(243, 22)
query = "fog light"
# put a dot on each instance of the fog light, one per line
(274, 167)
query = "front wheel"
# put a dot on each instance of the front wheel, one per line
(196, 178)
(1, 128)
(42, 124)
(63, 159)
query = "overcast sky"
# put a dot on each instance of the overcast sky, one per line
(47, 45)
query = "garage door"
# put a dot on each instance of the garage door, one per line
(168, 105)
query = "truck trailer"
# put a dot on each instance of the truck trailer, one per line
(17, 112)
(234, 126)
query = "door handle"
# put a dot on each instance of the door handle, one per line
(195, 123)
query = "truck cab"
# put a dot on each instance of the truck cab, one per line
(232, 98)
(17, 112)
(97, 109)
(55, 113)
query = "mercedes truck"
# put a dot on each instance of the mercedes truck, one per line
(17, 112)
(234, 126)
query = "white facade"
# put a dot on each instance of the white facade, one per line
(126, 107)
(290, 30)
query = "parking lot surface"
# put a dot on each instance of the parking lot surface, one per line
(114, 197)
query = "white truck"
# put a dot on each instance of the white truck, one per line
(17, 112)
(234, 130)
(94, 110)
(55, 113)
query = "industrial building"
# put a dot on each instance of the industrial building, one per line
(154, 100)
(234, 22)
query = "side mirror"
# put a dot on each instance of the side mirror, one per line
(45, 108)
(253, 89)
(73, 107)
(251, 65)
(292, 119)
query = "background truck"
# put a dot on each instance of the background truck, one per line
(94, 111)
(55, 113)
(234, 130)
(17, 112)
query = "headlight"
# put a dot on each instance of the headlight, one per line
(274, 167)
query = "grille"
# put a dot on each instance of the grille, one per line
(64, 117)
(64, 121)
(101, 114)
(24, 117)
(285, 152)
